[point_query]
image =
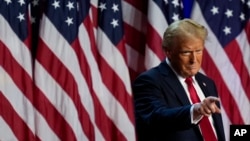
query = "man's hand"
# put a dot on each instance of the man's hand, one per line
(206, 107)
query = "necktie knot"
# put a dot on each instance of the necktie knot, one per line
(192, 92)
(189, 80)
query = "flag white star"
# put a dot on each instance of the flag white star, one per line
(115, 7)
(69, 21)
(114, 23)
(8, 1)
(215, 10)
(175, 3)
(242, 16)
(175, 17)
(20, 17)
(33, 20)
(248, 4)
(56, 4)
(227, 30)
(21, 2)
(102, 6)
(77, 6)
(70, 5)
(166, 2)
(229, 13)
(35, 2)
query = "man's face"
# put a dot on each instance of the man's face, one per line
(186, 58)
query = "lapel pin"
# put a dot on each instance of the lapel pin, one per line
(204, 84)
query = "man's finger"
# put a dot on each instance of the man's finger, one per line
(213, 99)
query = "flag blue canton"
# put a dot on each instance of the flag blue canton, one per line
(15, 13)
(84, 6)
(226, 18)
(110, 19)
(172, 10)
(64, 15)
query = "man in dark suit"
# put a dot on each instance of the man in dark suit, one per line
(164, 108)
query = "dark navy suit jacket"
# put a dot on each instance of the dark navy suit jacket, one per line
(162, 107)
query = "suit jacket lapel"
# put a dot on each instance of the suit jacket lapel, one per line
(172, 80)
(202, 85)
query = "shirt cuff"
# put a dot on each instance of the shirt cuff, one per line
(194, 121)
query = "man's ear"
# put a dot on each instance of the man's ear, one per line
(168, 54)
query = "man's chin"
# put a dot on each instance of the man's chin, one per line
(192, 73)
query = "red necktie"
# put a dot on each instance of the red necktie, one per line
(205, 125)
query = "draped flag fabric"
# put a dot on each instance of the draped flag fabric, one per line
(66, 66)
(17, 105)
(81, 77)
(227, 55)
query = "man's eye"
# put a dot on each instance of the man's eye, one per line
(198, 51)
(185, 53)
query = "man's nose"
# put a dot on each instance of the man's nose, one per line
(193, 57)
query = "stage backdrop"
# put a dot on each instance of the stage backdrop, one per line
(66, 66)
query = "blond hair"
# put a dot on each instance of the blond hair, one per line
(180, 31)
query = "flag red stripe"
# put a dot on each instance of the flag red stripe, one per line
(135, 38)
(65, 75)
(247, 30)
(229, 104)
(15, 122)
(139, 5)
(133, 74)
(154, 41)
(235, 56)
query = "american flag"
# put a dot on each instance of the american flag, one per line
(17, 105)
(81, 75)
(68, 76)
(227, 55)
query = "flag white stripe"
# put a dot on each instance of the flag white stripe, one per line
(94, 3)
(6, 133)
(226, 123)
(151, 59)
